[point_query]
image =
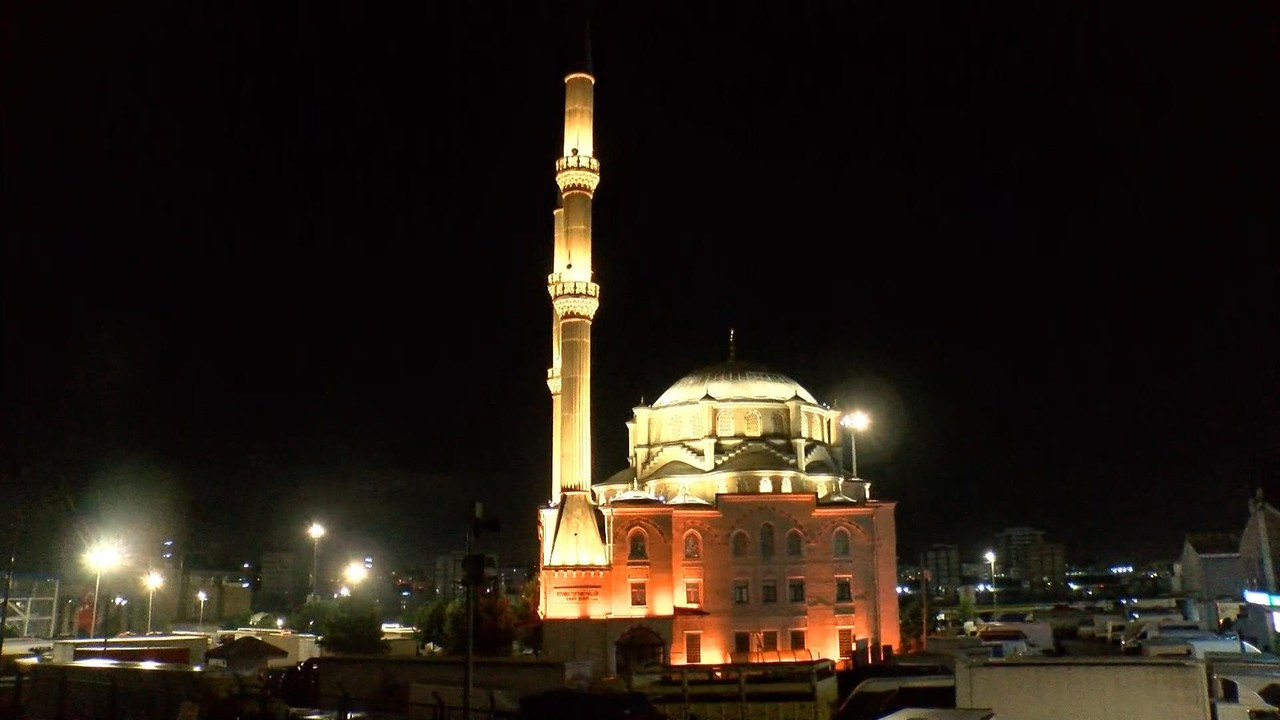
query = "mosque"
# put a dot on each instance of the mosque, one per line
(735, 534)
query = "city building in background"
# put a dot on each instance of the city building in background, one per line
(736, 533)
(1009, 546)
(945, 573)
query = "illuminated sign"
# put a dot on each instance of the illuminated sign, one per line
(577, 594)
(1260, 598)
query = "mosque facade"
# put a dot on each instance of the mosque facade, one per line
(735, 534)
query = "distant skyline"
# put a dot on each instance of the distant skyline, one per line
(267, 264)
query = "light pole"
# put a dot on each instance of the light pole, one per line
(121, 617)
(991, 558)
(100, 558)
(355, 573)
(856, 421)
(202, 596)
(316, 531)
(152, 581)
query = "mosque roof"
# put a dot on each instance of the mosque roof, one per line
(733, 381)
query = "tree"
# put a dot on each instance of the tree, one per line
(910, 622)
(355, 627)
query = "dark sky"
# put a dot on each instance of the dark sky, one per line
(264, 262)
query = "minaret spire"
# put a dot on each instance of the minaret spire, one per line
(575, 537)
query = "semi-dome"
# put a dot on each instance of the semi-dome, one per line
(733, 381)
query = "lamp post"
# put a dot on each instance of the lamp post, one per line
(202, 596)
(856, 421)
(991, 558)
(355, 573)
(152, 581)
(100, 558)
(316, 531)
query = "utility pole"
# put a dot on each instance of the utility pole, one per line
(11, 475)
(924, 609)
(472, 577)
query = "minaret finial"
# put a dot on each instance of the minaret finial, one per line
(732, 346)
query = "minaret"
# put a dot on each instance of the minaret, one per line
(575, 537)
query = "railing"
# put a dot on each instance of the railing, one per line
(577, 162)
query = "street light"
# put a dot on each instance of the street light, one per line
(152, 582)
(856, 421)
(991, 558)
(202, 596)
(316, 531)
(101, 557)
(355, 573)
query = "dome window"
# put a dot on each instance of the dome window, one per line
(753, 424)
(724, 423)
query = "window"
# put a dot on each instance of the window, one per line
(844, 590)
(692, 546)
(638, 545)
(693, 647)
(795, 543)
(845, 640)
(840, 543)
(673, 427)
(692, 592)
(740, 544)
(740, 593)
(752, 422)
(769, 640)
(724, 423)
(797, 640)
(795, 590)
(698, 425)
(742, 642)
(638, 595)
(769, 591)
(766, 541)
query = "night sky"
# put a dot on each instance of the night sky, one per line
(269, 262)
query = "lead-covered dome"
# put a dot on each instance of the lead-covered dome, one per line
(733, 381)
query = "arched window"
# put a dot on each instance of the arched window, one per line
(698, 424)
(674, 427)
(741, 544)
(753, 424)
(638, 544)
(840, 543)
(692, 546)
(815, 427)
(766, 540)
(795, 543)
(724, 423)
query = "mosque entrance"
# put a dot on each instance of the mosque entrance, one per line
(638, 649)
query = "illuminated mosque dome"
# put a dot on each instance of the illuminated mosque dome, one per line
(733, 381)
(732, 428)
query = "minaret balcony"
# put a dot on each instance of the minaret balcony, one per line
(577, 172)
(574, 298)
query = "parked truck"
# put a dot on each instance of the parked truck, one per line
(1107, 688)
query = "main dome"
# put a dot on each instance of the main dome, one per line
(733, 381)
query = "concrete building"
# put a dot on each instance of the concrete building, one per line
(943, 564)
(1209, 567)
(282, 581)
(1043, 565)
(1009, 546)
(736, 533)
